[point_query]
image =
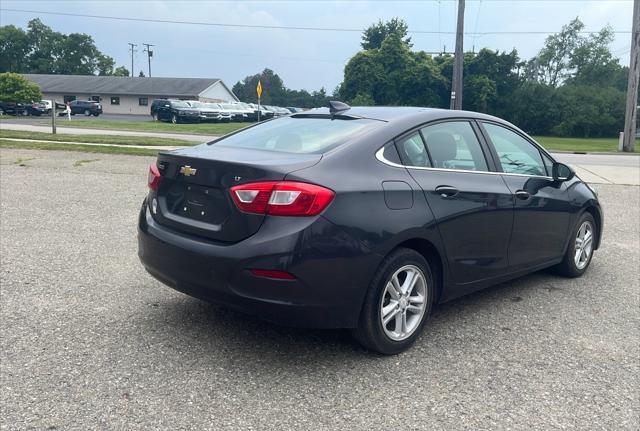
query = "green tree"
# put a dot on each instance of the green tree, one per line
(554, 59)
(42, 50)
(16, 88)
(592, 61)
(375, 34)
(121, 71)
(14, 47)
(393, 75)
(589, 111)
(362, 100)
(272, 88)
(105, 65)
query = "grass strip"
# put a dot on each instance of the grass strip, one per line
(98, 149)
(98, 139)
(553, 143)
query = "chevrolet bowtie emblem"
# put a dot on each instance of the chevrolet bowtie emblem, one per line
(187, 171)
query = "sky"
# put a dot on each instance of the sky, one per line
(306, 59)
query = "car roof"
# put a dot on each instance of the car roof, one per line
(403, 113)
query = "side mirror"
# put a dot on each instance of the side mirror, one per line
(562, 172)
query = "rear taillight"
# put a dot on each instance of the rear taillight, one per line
(153, 179)
(283, 198)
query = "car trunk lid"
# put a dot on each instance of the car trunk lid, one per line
(193, 195)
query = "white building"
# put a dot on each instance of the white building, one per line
(129, 95)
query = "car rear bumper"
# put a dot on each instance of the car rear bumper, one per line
(332, 270)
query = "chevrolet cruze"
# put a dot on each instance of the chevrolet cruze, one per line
(363, 218)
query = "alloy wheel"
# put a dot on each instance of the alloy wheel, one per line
(584, 245)
(403, 303)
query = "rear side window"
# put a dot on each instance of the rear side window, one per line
(390, 154)
(516, 154)
(299, 135)
(454, 145)
(413, 151)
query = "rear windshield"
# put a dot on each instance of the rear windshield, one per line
(298, 135)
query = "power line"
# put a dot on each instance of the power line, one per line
(280, 27)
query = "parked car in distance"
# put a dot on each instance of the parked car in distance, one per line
(237, 113)
(207, 112)
(264, 113)
(249, 114)
(363, 218)
(86, 107)
(12, 108)
(176, 111)
(34, 108)
(48, 104)
(37, 109)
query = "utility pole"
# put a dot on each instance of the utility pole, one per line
(629, 137)
(149, 55)
(456, 80)
(133, 50)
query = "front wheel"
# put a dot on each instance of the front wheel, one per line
(398, 303)
(154, 116)
(174, 119)
(87, 112)
(580, 249)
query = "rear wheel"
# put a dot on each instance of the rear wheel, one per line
(580, 249)
(397, 304)
(155, 116)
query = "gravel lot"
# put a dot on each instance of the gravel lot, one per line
(90, 341)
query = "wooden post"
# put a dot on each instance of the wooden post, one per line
(629, 137)
(458, 61)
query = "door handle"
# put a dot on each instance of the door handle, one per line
(521, 194)
(446, 191)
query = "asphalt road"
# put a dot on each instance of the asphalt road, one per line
(89, 341)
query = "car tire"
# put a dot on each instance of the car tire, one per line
(87, 113)
(372, 332)
(96, 114)
(582, 240)
(154, 116)
(174, 119)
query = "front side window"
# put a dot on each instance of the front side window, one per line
(454, 145)
(516, 154)
(299, 135)
(413, 151)
(548, 163)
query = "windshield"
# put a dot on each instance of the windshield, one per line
(180, 104)
(298, 135)
(195, 104)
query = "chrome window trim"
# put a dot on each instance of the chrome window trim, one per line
(380, 157)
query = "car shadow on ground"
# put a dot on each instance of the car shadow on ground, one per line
(211, 328)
